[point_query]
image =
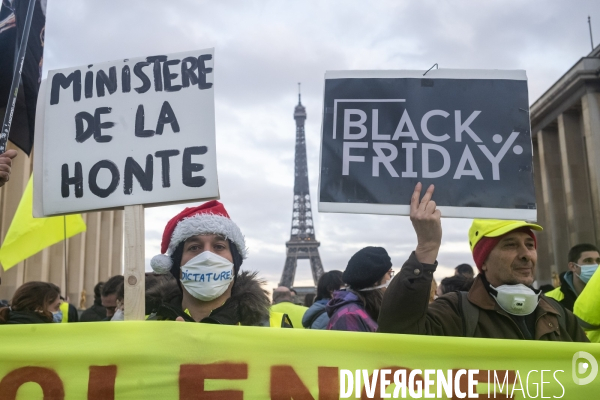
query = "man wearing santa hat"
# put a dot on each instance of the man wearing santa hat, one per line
(204, 249)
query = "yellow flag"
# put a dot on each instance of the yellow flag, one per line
(27, 235)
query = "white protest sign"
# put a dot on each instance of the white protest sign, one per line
(133, 131)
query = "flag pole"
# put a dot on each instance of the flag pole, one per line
(14, 88)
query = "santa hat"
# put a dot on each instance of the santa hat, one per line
(209, 218)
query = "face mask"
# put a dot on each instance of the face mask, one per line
(118, 315)
(57, 316)
(385, 285)
(207, 276)
(587, 271)
(516, 299)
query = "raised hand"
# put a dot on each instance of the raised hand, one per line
(426, 220)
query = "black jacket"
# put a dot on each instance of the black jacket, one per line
(248, 304)
(568, 301)
(24, 317)
(406, 309)
(94, 313)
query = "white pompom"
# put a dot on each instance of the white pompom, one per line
(161, 264)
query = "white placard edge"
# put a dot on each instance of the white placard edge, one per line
(447, 211)
(38, 152)
(443, 73)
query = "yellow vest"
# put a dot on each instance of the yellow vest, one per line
(556, 294)
(64, 307)
(276, 319)
(295, 312)
(587, 308)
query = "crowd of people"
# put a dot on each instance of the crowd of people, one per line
(198, 278)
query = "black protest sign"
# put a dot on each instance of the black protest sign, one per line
(133, 131)
(467, 132)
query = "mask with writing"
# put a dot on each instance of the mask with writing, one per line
(207, 276)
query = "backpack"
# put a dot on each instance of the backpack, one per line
(311, 321)
(469, 313)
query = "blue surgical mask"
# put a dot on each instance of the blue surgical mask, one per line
(57, 316)
(587, 271)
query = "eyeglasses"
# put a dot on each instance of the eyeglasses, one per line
(391, 272)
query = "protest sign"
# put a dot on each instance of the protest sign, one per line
(465, 131)
(176, 360)
(127, 132)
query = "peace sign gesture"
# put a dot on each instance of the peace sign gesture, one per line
(426, 220)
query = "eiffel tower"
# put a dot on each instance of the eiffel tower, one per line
(302, 244)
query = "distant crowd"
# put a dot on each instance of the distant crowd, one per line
(197, 278)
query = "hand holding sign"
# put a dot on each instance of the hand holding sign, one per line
(426, 220)
(5, 165)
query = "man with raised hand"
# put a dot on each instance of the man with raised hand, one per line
(501, 303)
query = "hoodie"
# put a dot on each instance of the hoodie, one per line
(316, 316)
(347, 313)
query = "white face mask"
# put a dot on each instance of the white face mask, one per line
(516, 299)
(207, 276)
(118, 315)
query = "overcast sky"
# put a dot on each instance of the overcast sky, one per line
(263, 48)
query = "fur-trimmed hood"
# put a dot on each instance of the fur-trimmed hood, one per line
(248, 304)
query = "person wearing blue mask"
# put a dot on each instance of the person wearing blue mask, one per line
(583, 262)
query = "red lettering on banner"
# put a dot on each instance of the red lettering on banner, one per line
(378, 393)
(101, 384)
(192, 377)
(482, 377)
(329, 383)
(286, 384)
(48, 379)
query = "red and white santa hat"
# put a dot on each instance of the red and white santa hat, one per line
(209, 218)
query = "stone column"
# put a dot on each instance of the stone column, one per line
(590, 109)
(10, 196)
(543, 274)
(92, 255)
(117, 243)
(106, 244)
(576, 179)
(76, 257)
(554, 197)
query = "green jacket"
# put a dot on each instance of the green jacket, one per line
(587, 308)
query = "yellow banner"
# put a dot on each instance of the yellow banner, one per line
(175, 360)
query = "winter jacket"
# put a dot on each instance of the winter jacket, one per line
(406, 309)
(22, 317)
(565, 294)
(316, 315)
(94, 313)
(248, 304)
(347, 313)
(294, 311)
(587, 308)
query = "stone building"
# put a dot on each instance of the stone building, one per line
(565, 126)
(93, 256)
